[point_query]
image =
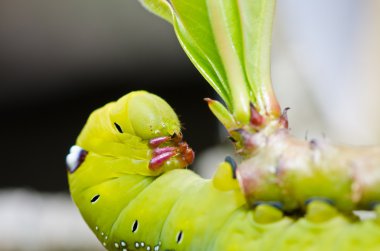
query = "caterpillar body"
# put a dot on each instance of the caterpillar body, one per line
(127, 177)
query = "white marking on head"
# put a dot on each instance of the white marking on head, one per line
(74, 158)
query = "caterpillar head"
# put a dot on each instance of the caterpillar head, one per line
(140, 128)
(145, 115)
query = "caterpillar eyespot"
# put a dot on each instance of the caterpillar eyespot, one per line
(142, 197)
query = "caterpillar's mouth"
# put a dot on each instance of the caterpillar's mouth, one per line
(167, 147)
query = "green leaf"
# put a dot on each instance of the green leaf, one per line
(203, 63)
(159, 7)
(257, 20)
(194, 32)
(229, 42)
(224, 116)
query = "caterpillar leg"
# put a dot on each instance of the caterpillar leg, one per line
(265, 214)
(318, 211)
(225, 176)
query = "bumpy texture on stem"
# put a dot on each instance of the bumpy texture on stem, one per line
(279, 168)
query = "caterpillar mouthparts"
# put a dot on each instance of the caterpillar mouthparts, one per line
(164, 148)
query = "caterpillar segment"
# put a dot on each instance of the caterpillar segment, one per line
(128, 177)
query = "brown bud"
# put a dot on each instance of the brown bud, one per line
(256, 118)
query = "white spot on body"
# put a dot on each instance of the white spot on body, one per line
(116, 245)
(73, 159)
(142, 244)
(148, 248)
(124, 249)
(156, 248)
(106, 237)
(137, 245)
(104, 244)
(123, 244)
(96, 228)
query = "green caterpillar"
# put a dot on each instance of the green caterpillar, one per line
(126, 175)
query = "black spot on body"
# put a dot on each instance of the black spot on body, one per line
(179, 236)
(95, 198)
(118, 127)
(135, 226)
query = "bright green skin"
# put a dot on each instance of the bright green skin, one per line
(210, 214)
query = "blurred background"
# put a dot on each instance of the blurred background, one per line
(59, 60)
